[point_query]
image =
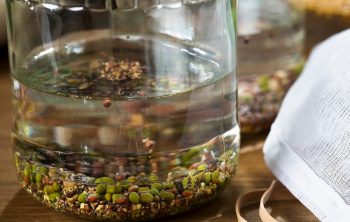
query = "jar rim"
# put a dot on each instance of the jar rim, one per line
(112, 4)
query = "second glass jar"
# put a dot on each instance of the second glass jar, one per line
(270, 46)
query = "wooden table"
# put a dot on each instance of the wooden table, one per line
(17, 206)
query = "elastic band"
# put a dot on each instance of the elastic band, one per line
(275, 192)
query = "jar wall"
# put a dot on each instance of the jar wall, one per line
(124, 110)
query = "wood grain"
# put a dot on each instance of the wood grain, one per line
(17, 206)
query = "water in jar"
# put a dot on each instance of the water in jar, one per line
(145, 130)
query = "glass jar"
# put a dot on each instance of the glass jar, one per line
(270, 44)
(123, 109)
(323, 18)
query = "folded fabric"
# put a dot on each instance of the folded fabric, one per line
(308, 148)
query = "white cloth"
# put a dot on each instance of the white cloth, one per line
(308, 148)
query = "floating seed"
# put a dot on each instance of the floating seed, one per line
(148, 143)
(246, 40)
(107, 103)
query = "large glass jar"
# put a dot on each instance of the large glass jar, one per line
(270, 44)
(123, 109)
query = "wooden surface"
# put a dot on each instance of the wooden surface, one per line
(17, 206)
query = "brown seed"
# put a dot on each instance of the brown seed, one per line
(110, 65)
(178, 202)
(124, 67)
(222, 167)
(174, 191)
(142, 93)
(187, 193)
(121, 200)
(246, 40)
(133, 189)
(92, 198)
(73, 81)
(83, 86)
(69, 194)
(119, 177)
(148, 143)
(107, 103)
(26, 180)
(45, 180)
